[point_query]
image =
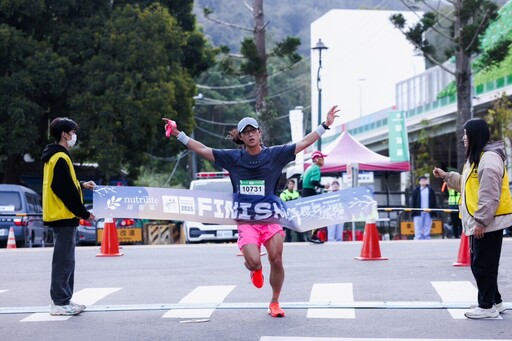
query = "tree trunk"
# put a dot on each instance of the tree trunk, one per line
(261, 75)
(464, 91)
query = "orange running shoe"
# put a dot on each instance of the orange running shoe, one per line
(257, 278)
(275, 310)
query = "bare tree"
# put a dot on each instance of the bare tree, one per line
(254, 58)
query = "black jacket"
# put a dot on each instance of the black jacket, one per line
(64, 187)
(416, 200)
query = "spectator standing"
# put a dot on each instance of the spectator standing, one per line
(311, 185)
(423, 197)
(335, 232)
(290, 193)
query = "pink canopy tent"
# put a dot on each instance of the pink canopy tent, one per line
(348, 150)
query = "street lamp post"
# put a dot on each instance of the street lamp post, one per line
(319, 47)
(193, 154)
(360, 97)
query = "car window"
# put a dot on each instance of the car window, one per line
(34, 203)
(10, 201)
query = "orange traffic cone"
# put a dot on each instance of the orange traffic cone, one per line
(109, 240)
(371, 248)
(11, 241)
(464, 257)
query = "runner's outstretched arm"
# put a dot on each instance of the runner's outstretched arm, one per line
(196, 146)
(310, 138)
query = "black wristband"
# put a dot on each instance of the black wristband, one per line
(326, 127)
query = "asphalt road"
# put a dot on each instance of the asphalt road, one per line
(203, 292)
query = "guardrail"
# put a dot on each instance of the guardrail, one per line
(405, 226)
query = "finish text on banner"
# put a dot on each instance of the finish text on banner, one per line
(354, 204)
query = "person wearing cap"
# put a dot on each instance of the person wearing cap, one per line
(311, 185)
(423, 197)
(255, 171)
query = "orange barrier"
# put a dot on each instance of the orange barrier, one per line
(109, 242)
(463, 258)
(11, 240)
(371, 248)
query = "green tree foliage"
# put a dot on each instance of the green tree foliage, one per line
(468, 20)
(500, 119)
(423, 151)
(133, 80)
(116, 67)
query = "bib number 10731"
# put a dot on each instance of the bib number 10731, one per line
(252, 187)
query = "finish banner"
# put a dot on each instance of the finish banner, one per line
(304, 214)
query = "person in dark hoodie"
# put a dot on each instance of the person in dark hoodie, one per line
(486, 209)
(62, 208)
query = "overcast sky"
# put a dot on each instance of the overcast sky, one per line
(367, 56)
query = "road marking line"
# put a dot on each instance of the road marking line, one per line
(86, 296)
(332, 293)
(292, 338)
(457, 291)
(1, 291)
(201, 294)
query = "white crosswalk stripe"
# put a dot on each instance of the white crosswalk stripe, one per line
(457, 291)
(86, 296)
(200, 295)
(326, 301)
(332, 293)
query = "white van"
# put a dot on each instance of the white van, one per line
(197, 232)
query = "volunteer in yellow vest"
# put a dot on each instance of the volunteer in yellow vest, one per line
(486, 209)
(62, 208)
(453, 203)
(290, 193)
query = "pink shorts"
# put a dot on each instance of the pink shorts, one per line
(257, 234)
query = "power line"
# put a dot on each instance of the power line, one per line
(212, 134)
(213, 122)
(237, 86)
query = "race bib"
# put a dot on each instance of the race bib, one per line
(252, 187)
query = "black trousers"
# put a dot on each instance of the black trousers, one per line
(63, 265)
(485, 260)
(456, 223)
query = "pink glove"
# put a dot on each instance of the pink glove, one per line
(169, 127)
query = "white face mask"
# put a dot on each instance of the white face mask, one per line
(72, 142)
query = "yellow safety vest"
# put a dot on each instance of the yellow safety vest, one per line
(53, 208)
(471, 193)
(453, 197)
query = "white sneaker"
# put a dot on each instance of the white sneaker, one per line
(79, 306)
(64, 310)
(500, 307)
(480, 313)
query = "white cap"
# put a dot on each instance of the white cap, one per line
(247, 121)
